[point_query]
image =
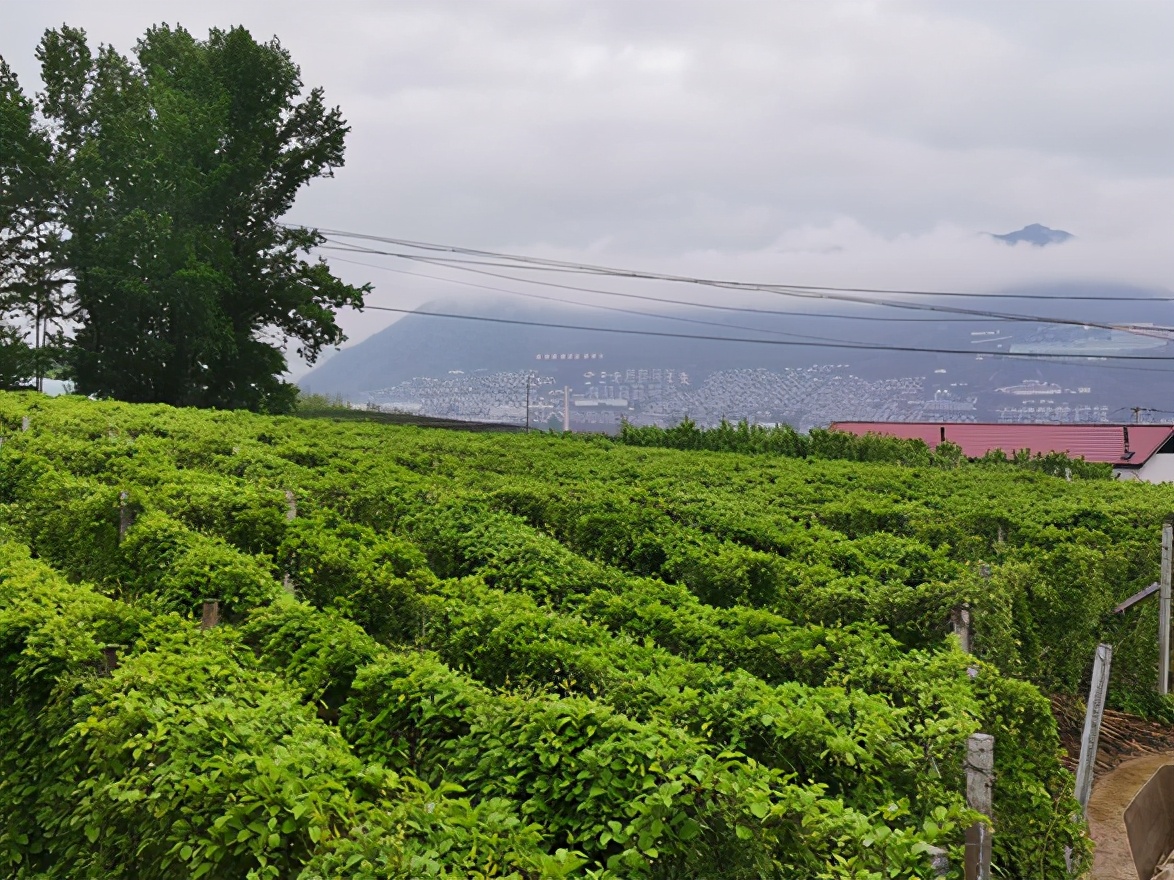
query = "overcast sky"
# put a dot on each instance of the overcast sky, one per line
(791, 141)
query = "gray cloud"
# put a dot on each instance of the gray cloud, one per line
(831, 142)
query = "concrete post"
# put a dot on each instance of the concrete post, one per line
(24, 423)
(211, 614)
(980, 779)
(291, 513)
(1164, 611)
(110, 658)
(961, 620)
(1092, 723)
(126, 516)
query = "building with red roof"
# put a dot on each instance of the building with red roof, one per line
(1137, 452)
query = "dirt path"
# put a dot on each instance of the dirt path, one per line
(1111, 794)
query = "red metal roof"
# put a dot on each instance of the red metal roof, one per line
(1106, 443)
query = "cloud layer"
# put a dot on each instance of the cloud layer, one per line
(819, 143)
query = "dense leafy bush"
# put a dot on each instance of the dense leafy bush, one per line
(763, 639)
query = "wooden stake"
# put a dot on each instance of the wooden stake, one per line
(211, 615)
(1092, 723)
(1164, 611)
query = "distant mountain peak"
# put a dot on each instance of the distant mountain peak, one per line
(1036, 234)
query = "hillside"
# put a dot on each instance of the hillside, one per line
(458, 654)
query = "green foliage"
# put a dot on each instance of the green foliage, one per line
(542, 655)
(180, 568)
(156, 185)
(826, 444)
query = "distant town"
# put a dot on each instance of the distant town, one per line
(603, 397)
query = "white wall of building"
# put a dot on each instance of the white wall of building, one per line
(1159, 469)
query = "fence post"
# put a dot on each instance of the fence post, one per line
(1092, 723)
(24, 423)
(126, 516)
(980, 777)
(291, 513)
(211, 614)
(110, 658)
(939, 861)
(1164, 610)
(961, 621)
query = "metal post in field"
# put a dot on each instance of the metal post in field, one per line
(1164, 610)
(1092, 723)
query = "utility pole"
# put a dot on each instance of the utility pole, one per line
(566, 408)
(1136, 415)
(527, 403)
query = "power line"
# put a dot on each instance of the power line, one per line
(780, 290)
(588, 268)
(655, 299)
(660, 316)
(747, 340)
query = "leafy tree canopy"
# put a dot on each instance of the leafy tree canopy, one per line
(170, 172)
(25, 237)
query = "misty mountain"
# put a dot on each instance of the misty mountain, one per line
(836, 338)
(1035, 234)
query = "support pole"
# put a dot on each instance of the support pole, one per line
(980, 778)
(1092, 723)
(961, 620)
(126, 515)
(1164, 611)
(978, 852)
(24, 423)
(566, 408)
(110, 658)
(527, 403)
(291, 513)
(211, 614)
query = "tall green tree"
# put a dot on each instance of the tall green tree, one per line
(175, 167)
(32, 283)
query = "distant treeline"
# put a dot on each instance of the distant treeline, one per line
(828, 444)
